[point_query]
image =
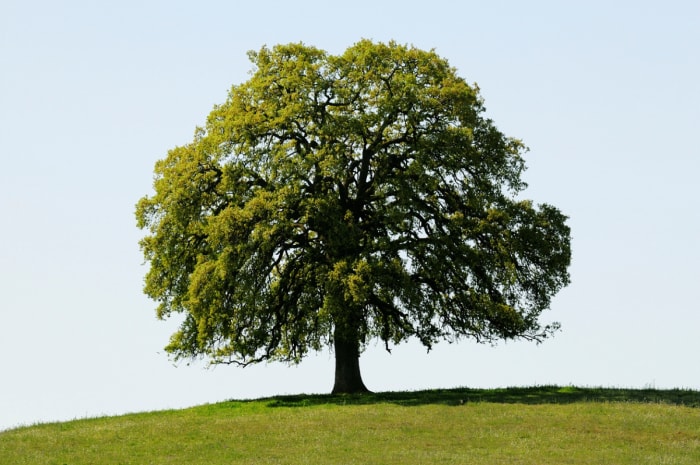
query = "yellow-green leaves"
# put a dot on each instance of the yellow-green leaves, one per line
(365, 190)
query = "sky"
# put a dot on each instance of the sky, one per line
(605, 94)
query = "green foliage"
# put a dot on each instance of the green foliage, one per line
(360, 196)
(538, 426)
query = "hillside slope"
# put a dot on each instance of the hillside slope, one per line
(541, 425)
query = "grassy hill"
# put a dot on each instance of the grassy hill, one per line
(539, 425)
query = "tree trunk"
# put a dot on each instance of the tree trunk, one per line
(348, 379)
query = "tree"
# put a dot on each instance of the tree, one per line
(336, 199)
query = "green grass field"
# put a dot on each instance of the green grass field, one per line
(539, 425)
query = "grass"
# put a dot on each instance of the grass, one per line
(539, 425)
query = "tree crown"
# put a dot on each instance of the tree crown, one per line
(363, 194)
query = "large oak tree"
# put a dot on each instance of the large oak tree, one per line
(336, 199)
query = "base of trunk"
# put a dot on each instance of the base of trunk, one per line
(348, 379)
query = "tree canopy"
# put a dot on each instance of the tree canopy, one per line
(336, 199)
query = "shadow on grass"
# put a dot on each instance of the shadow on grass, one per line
(516, 395)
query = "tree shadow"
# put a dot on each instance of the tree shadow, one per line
(515, 395)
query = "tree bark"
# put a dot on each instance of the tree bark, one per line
(348, 379)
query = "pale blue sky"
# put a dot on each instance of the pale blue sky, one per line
(604, 93)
